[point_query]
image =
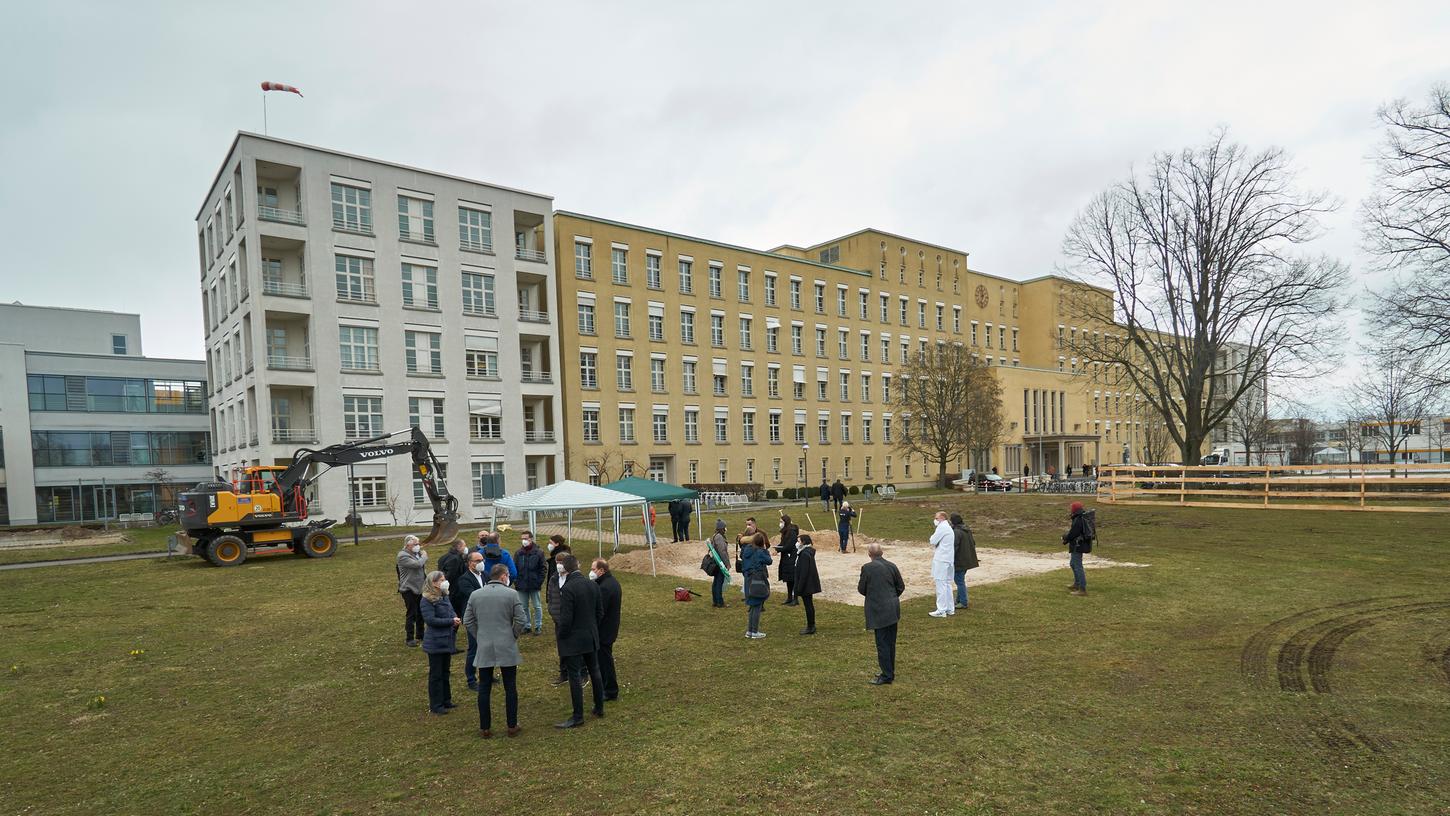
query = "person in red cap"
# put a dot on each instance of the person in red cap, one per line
(1076, 538)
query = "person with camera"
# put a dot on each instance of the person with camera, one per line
(1078, 540)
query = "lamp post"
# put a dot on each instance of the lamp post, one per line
(805, 468)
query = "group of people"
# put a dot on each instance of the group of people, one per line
(680, 512)
(494, 598)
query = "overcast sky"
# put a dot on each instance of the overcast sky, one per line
(752, 123)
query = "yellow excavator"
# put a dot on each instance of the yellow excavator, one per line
(267, 508)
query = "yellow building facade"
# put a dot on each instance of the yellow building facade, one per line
(699, 362)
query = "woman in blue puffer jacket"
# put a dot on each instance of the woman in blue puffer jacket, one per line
(439, 623)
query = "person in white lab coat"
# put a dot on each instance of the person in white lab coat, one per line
(943, 555)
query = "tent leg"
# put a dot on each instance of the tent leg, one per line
(599, 528)
(569, 533)
(649, 535)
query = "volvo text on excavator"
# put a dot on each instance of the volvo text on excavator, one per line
(267, 508)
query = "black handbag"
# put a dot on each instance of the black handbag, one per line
(759, 587)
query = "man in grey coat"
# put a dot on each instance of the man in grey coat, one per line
(412, 564)
(494, 619)
(882, 585)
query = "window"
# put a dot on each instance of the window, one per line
(714, 273)
(957, 319)
(362, 417)
(1014, 340)
(772, 382)
(847, 468)
(1001, 337)
(775, 470)
(724, 469)
(718, 382)
(478, 296)
(905, 352)
(369, 491)
(989, 335)
(423, 352)
(866, 438)
(747, 430)
(118, 344)
(358, 347)
(868, 466)
(795, 294)
(820, 342)
(722, 427)
(717, 331)
(865, 387)
(831, 255)
(687, 277)
(800, 430)
(692, 426)
(940, 317)
(820, 290)
(588, 369)
(903, 311)
(772, 339)
(747, 380)
(475, 229)
(749, 470)
(586, 317)
(921, 315)
(352, 209)
(885, 349)
(621, 319)
(841, 346)
(619, 265)
(974, 332)
(583, 260)
(888, 467)
(483, 428)
(354, 279)
(745, 333)
(865, 304)
(885, 308)
(624, 372)
(845, 429)
(743, 284)
(865, 348)
(652, 271)
(660, 426)
(795, 340)
(886, 437)
(840, 301)
(845, 387)
(656, 324)
(823, 430)
(657, 374)
(769, 290)
(687, 327)
(591, 424)
(687, 379)
(488, 481)
(415, 219)
(773, 425)
(626, 424)
(426, 413)
(420, 286)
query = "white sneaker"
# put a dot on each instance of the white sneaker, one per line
(937, 613)
(758, 635)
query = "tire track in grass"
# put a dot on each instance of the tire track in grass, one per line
(1254, 660)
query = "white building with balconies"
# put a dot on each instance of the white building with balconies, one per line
(345, 298)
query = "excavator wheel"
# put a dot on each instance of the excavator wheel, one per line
(226, 551)
(319, 544)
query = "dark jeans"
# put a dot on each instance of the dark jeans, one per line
(789, 591)
(717, 589)
(412, 618)
(469, 670)
(961, 576)
(606, 671)
(439, 691)
(510, 697)
(886, 651)
(755, 610)
(1078, 575)
(844, 533)
(576, 666)
(810, 605)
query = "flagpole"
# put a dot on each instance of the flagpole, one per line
(264, 113)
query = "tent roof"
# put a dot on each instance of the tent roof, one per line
(566, 495)
(1329, 452)
(652, 490)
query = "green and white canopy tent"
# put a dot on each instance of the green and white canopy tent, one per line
(658, 492)
(567, 496)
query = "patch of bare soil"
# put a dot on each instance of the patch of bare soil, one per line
(65, 537)
(840, 571)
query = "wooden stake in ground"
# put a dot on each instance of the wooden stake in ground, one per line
(860, 514)
(812, 523)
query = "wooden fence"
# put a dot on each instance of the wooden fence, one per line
(1378, 488)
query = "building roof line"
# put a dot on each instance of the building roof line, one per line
(226, 161)
(721, 244)
(135, 357)
(19, 305)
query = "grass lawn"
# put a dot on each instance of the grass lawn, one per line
(137, 540)
(1265, 662)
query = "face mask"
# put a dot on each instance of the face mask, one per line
(414, 549)
(560, 568)
(478, 566)
(593, 576)
(551, 546)
(528, 542)
(782, 525)
(443, 587)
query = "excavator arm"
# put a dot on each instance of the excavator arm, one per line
(300, 474)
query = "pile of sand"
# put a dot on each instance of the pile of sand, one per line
(840, 571)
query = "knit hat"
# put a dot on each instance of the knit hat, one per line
(1076, 507)
(719, 525)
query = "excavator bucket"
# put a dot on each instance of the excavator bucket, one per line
(445, 529)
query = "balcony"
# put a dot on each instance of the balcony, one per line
(279, 362)
(308, 435)
(368, 366)
(273, 286)
(529, 237)
(280, 215)
(543, 377)
(475, 246)
(535, 255)
(538, 436)
(533, 316)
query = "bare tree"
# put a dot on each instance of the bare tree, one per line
(609, 463)
(1303, 434)
(1194, 294)
(1407, 228)
(1248, 424)
(1157, 441)
(1391, 400)
(952, 407)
